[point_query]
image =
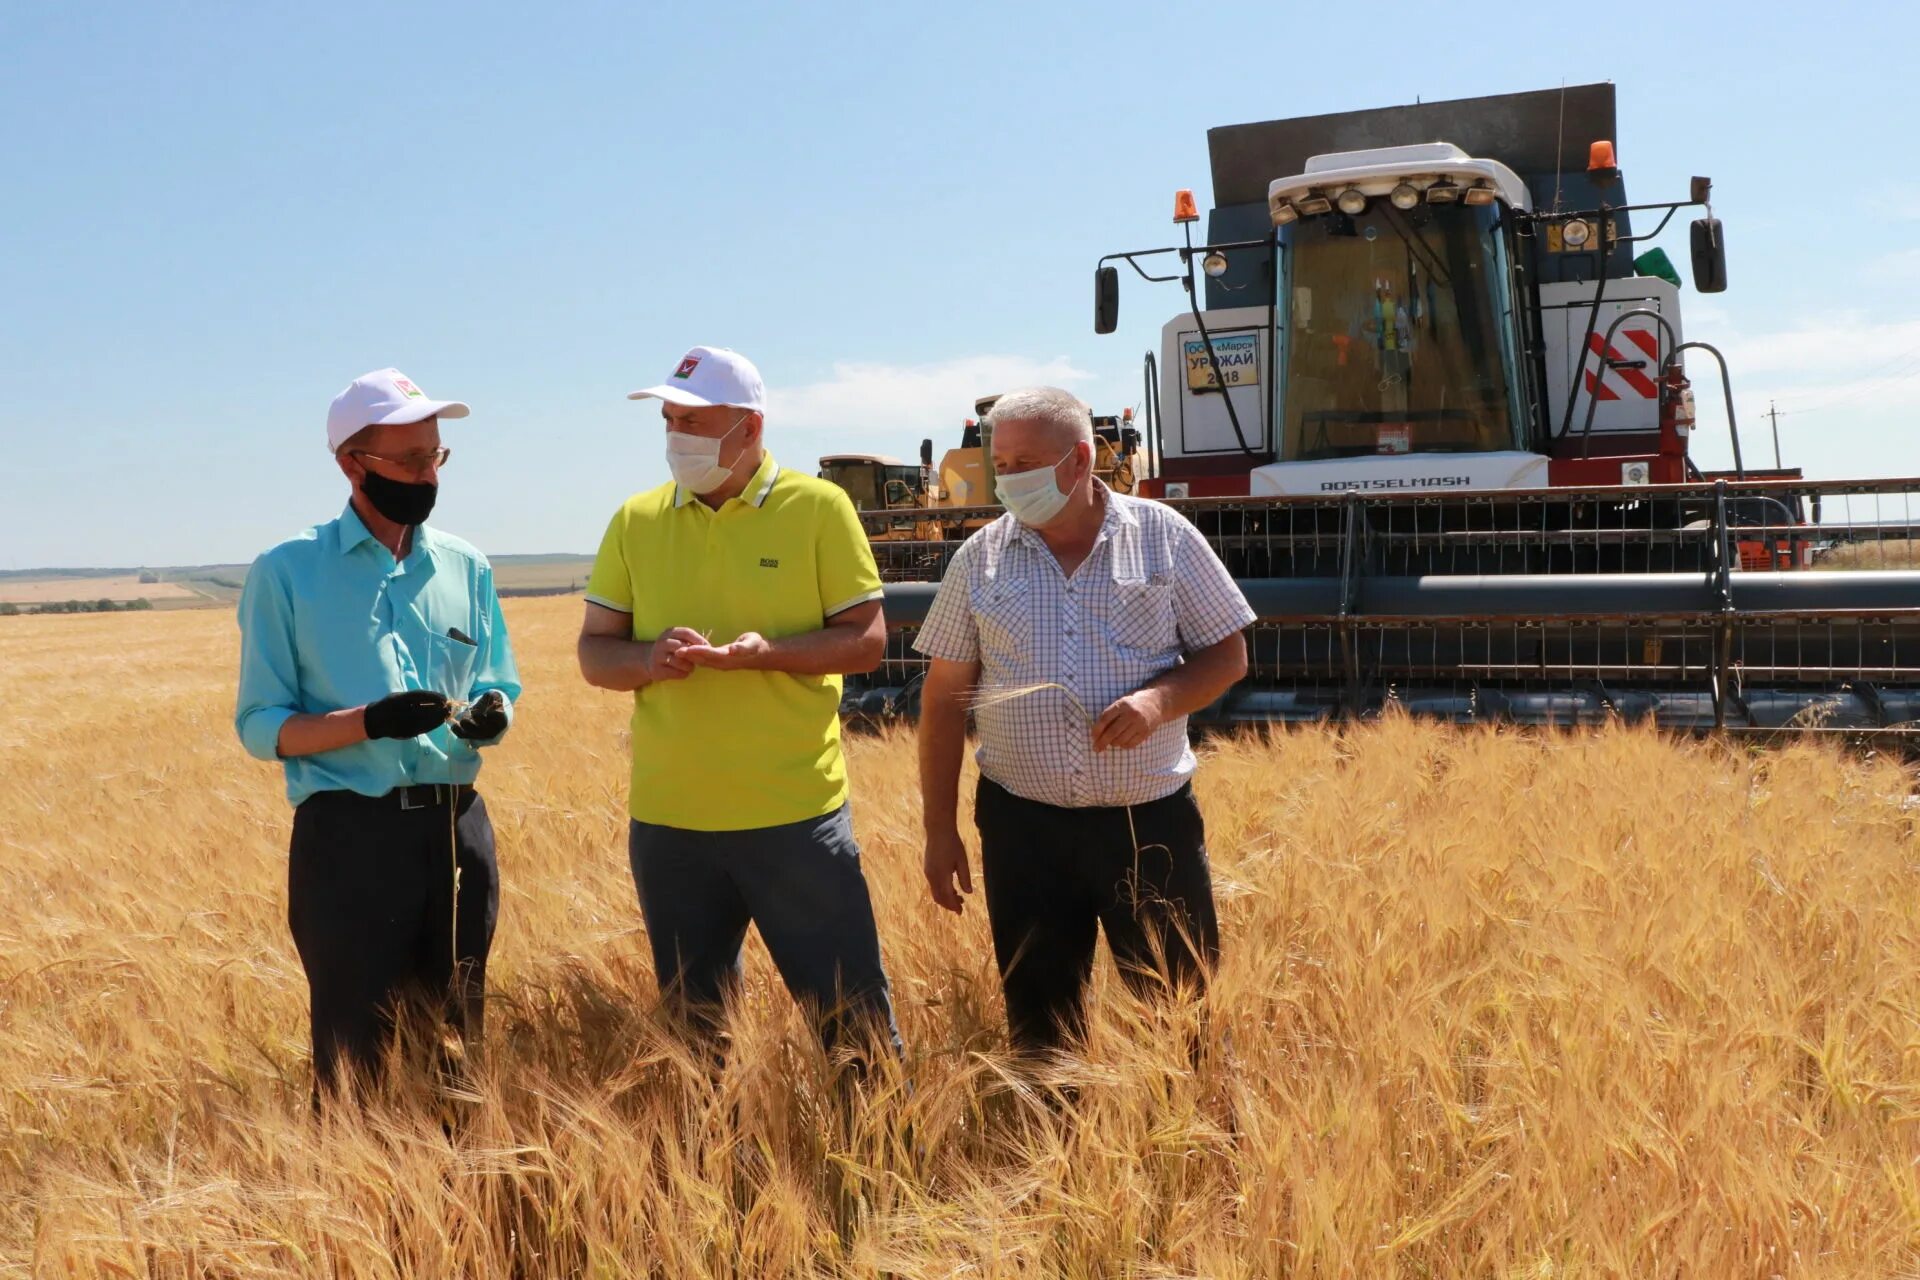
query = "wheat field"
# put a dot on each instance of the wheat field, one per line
(1492, 1005)
(1872, 555)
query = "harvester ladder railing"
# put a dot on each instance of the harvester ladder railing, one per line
(1150, 372)
(1726, 392)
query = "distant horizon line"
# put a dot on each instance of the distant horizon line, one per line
(106, 570)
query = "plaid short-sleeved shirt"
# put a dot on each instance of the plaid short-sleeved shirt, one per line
(1151, 590)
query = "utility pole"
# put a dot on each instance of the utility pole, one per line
(1773, 414)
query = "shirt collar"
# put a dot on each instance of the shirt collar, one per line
(354, 532)
(1119, 512)
(755, 494)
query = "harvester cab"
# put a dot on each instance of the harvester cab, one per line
(880, 484)
(875, 481)
(1386, 312)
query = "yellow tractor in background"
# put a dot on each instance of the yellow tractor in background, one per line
(964, 479)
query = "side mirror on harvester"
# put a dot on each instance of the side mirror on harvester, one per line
(1709, 256)
(1106, 299)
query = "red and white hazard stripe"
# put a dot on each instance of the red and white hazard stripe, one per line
(1610, 383)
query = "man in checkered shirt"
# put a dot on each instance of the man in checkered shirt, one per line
(1081, 628)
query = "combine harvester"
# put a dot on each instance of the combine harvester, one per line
(1429, 403)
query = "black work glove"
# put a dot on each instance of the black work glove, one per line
(485, 717)
(406, 715)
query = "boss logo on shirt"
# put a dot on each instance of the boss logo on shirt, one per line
(768, 562)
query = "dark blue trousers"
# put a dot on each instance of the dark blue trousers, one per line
(801, 885)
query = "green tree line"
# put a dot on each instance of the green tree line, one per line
(9, 608)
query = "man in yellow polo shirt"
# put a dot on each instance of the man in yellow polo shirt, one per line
(730, 602)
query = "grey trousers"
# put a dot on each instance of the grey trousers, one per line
(801, 884)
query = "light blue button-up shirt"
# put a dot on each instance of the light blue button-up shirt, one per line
(329, 620)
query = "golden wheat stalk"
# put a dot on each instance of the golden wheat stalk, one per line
(986, 696)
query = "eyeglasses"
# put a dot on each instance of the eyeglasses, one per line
(414, 462)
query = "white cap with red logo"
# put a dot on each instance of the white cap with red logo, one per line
(710, 375)
(381, 398)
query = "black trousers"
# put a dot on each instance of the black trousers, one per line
(1055, 877)
(370, 900)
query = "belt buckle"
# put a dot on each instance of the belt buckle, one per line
(406, 799)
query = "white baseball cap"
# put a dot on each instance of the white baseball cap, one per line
(381, 398)
(711, 375)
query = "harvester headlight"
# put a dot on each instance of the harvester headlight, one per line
(1479, 195)
(1404, 196)
(1443, 192)
(1214, 264)
(1353, 201)
(1575, 233)
(1283, 213)
(1311, 205)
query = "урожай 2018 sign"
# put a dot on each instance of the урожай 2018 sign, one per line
(1239, 356)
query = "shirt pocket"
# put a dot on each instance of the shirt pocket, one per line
(1003, 612)
(1140, 618)
(450, 666)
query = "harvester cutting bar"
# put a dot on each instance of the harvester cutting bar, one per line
(1766, 605)
(1598, 597)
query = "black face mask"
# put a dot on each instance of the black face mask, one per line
(397, 500)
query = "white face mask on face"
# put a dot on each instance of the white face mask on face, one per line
(1034, 497)
(695, 460)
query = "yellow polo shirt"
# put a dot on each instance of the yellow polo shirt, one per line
(735, 750)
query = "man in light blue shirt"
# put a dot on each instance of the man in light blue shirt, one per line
(374, 666)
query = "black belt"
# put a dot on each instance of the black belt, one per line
(426, 795)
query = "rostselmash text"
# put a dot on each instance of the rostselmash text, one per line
(1398, 482)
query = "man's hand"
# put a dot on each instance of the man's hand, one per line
(485, 717)
(946, 862)
(667, 659)
(405, 715)
(1129, 721)
(747, 653)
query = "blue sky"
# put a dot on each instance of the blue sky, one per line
(218, 214)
